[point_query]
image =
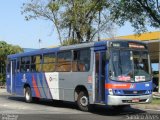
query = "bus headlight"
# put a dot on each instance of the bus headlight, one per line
(110, 91)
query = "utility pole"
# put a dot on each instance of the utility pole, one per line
(39, 41)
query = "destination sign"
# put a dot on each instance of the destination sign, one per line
(127, 44)
(135, 45)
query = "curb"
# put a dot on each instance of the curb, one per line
(156, 96)
(3, 90)
(154, 107)
(2, 87)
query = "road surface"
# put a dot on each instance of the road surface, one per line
(15, 108)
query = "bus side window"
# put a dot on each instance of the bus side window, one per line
(74, 62)
(22, 66)
(8, 66)
(36, 63)
(18, 66)
(64, 61)
(81, 60)
(25, 64)
(49, 62)
(33, 66)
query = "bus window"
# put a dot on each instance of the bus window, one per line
(64, 61)
(81, 60)
(129, 65)
(49, 62)
(18, 66)
(36, 63)
(8, 66)
(25, 64)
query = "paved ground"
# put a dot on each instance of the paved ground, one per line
(14, 108)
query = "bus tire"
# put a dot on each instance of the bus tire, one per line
(83, 101)
(28, 95)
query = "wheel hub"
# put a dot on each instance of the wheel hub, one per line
(84, 101)
(27, 96)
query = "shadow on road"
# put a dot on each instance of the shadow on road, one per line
(97, 109)
(110, 111)
(44, 102)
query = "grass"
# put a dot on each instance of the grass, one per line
(155, 101)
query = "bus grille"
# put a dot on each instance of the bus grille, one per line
(130, 101)
(134, 92)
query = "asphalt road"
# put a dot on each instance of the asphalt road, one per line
(15, 108)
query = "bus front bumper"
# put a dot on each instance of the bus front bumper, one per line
(125, 100)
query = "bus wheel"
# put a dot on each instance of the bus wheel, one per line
(83, 101)
(28, 95)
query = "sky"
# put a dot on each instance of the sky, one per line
(14, 29)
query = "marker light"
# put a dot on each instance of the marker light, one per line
(110, 91)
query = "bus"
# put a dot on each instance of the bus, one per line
(111, 72)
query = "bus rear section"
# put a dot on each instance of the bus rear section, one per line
(123, 74)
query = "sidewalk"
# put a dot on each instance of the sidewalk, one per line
(3, 91)
(2, 87)
(156, 95)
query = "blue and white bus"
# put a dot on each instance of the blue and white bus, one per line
(115, 73)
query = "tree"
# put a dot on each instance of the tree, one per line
(79, 20)
(6, 49)
(140, 13)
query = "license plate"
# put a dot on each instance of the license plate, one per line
(135, 100)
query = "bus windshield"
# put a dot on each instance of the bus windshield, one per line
(129, 65)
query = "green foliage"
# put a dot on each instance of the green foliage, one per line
(73, 19)
(6, 49)
(2, 78)
(140, 13)
(69, 42)
(83, 20)
(155, 74)
(156, 101)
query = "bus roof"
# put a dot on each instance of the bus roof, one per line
(75, 46)
(49, 50)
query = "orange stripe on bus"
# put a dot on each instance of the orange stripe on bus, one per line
(118, 86)
(35, 87)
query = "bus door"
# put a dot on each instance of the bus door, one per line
(100, 64)
(13, 75)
